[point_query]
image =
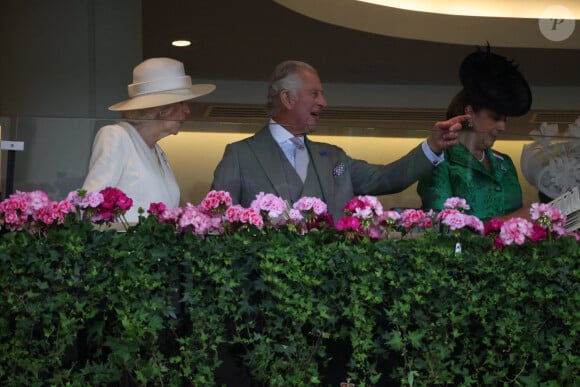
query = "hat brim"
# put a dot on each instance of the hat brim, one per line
(165, 98)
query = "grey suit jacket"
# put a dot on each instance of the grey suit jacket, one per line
(257, 164)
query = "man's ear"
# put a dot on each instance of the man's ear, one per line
(287, 99)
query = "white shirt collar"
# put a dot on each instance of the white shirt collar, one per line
(279, 133)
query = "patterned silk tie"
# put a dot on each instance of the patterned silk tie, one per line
(300, 157)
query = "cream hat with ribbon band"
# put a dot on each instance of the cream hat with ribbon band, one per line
(158, 82)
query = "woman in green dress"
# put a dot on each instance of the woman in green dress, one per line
(493, 89)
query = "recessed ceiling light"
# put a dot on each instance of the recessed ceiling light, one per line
(181, 43)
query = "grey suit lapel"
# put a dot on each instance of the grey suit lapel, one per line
(272, 160)
(321, 162)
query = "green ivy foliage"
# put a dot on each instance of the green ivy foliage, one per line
(82, 306)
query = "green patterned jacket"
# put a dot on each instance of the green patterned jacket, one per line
(489, 194)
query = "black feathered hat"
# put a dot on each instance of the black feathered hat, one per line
(493, 82)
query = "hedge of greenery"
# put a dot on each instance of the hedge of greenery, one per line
(153, 307)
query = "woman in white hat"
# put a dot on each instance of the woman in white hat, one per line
(126, 155)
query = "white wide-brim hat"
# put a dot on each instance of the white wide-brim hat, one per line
(158, 82)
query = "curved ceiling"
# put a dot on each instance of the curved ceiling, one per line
(244, 40)
(534, 9)
(445, 28)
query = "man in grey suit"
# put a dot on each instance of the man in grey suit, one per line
(265, 161)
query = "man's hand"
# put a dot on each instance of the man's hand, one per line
(444, 134)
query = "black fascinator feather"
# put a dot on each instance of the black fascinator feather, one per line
(493, 82)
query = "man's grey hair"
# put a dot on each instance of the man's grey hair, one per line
(286, 76)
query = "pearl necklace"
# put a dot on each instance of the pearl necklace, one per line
(482, 157)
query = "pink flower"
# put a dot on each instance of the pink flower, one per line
(547, 215)
(538, 233)
(83, 199)
(455, 203)
(12, 221)
(375, 232)
(540, 210)
(253, 218)
(216, 202)
(348, 223)
(270, 204)
(171, 216)
(239, 216)
(295, 215)
(368, 211)
(163, 215)
(411, 218)
(493, 226)
(94, 199)
(364, 207)
(114, 204)
(351, 206)
(324, 218)
(156, 209)
(497, 243)
(199, 222)
(454, 219)
(475, 223)
(515, 230)
(313, 212)
(457, 220)
(390, 217)
(313, 204)
(36, 200)
(234, 213)
(33, 211)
